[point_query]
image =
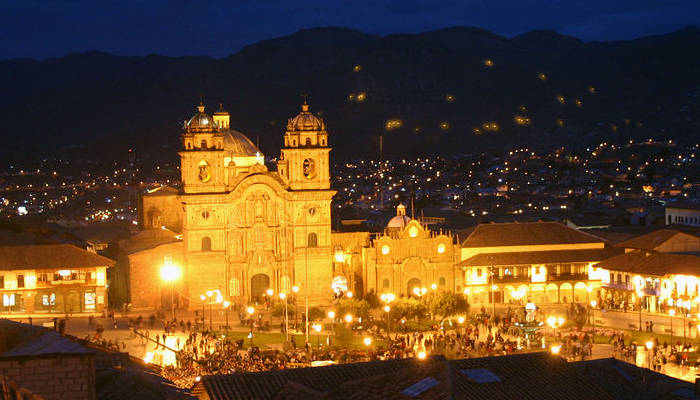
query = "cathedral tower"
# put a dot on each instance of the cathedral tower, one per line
(304, 161)
(202, 155)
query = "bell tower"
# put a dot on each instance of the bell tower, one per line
(304, 161)
(202, 154)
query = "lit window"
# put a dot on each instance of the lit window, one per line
(441, 248)
(413, 232)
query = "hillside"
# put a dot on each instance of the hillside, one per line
(437, 83)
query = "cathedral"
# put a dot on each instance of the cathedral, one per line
(246, 229)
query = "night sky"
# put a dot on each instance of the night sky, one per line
(42, 29)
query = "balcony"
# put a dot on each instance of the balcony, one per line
(567, 277)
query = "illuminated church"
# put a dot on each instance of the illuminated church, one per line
(244, 229)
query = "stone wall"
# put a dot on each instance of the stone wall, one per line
(63, 377)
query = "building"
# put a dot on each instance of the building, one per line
(38, 363)
(52, 278)
(683, 213)
(521, 376)
(408, 255)
(663, 241)
(246, 229)
(543, 262)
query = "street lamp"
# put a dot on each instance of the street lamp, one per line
(367, 341)
(639, 297)
(203, 298)
(348, 318)
(317, 328)
(649, 346)
(170, 273)
(593, 304)
(250, 310)
(270, 292)
(226, 305)
(387, 309)
(295, 290)
(283, 296)
(671, 312)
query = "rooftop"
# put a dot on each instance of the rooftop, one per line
(49, 256)
(540, 257)
(526, 233)
(521, 376)
(653, 263)
(651, 240)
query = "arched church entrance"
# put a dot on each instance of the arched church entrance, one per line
(259, 284)
(412, 284)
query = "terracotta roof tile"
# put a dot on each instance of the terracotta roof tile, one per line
(651, 240)
(653, 263)
(540, 257)
(49, 256)
(526, 233)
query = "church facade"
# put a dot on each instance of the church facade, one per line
(246, 229)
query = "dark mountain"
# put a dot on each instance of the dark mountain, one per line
(442, 85)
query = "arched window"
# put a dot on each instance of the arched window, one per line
(312, 240)
(308, 141)
(385, 284)
(206, 243)
(442, 281)
(204, 144)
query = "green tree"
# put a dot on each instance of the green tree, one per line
(358, 308)
(408, 308)
(444, 304)
(278, 310)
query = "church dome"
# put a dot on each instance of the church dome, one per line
(398, 222)
(239, 144)
(305, 121)
(200, 122)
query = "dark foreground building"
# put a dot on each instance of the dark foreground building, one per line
(538, 376)
(40, 364)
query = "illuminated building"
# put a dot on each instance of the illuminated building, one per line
(683, 213)
(246, 229)
(655, 268)
(52, 278)
(542, 262)
(407, 256)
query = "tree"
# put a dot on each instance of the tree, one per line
(278, 310)
(408, 308)
(358, 308)
(444, 304)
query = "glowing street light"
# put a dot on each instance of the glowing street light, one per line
(283, 296)
(422, 355)
(170, 273)
(348, 318)
(649, 346)
(593, 304)
(331, 314)
(317, 328)
(367, 341)
(556, 349)
(251, 310)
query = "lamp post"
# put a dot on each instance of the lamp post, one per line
(317, 328)
(170, 273)
(270, 292)
(250, 310)
(649, 346)
(367, 341)
(295, 290)
(593, 304)
(209, 294)
(671, 313)
(639, 297)
(226, 305)
(589, 289)
(203, 298)
(331, 316)
(387, 298)
(283, 296)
